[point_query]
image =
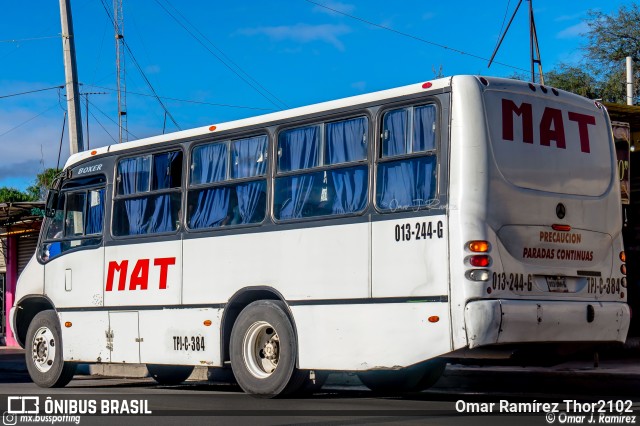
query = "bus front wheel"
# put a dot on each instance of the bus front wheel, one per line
(169, 374)
(43, 352)
(263, 350)
(411, 379)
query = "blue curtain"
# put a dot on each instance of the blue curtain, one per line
(162, 170)
(136, 209)
(251, 200)
(424, 137)
(95, 212)
(301, 188)
(161, 218)
(346, 141)
(211, 208)
(248, 157)
(298, 148)
(134, 174)
(350, 189)
(394, 130)
(209, 163)
(407, 183)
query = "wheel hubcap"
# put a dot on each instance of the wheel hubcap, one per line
(43, 349)
(261, 349)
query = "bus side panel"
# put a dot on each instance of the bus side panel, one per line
(409, 257)
(87, 338)
(329, 262)
(143, 274)
(468, 193)
(369, 336)
(183, 339)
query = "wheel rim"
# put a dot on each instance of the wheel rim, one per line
(261, 349)
(43, 349)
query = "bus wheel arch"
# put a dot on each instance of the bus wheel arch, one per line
(27, 309)
(240, 300)
(264, 349)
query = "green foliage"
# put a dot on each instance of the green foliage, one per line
(42, 184)
(573, 79)
(12, 195)
(35, 192)
(603, 74)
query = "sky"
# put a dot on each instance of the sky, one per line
(212, 61)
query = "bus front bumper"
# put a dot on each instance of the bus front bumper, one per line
(503, 321)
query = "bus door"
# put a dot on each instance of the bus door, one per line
(72, 251)
(72, 245)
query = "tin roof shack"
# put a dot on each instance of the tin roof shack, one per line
(631, 232)
(19, 228)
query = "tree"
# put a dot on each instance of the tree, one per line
(573, 79)
(12, 195)
(42, 183)
(35, 192)
(611, 38)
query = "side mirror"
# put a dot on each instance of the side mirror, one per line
(52, 202)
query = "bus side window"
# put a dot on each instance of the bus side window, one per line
(149, 194)
(78, 222)
(407, 182)
(234, 173)
(340, 187)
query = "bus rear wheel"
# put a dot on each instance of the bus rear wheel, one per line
(263, 350)
(411, 379)
(43, 352)
(169, 374)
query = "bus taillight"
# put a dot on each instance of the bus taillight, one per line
(478, 246)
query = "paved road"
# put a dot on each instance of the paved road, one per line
(344, 402)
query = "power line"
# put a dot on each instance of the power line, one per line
(126, 45)
(25, 122)
(28, 39)
(31, 91)
(112, 120)
(258, 89)
(462, 52)
(184, 100)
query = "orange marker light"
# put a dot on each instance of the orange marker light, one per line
(623, 256)
(478, 246)
(434, 318)
(207, 323)
(94, 152)
(212, 128)
(68, 324)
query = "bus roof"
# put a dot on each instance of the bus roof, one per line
(265, 118)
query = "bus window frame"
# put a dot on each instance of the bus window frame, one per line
(437, 151)
(322, 122)
(115, 197)
(65, 189)
(229, 182)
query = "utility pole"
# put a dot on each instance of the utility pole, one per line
(533, 43)
(71, 79)
(118, 22)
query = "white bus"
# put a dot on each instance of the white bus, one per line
(377, 234)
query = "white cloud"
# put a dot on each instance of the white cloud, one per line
(302, 33)
(573, 17)
(574, 31)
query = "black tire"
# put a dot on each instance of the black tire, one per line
(411, 379)
(169, 374)
(43, 352)
(264, 349)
